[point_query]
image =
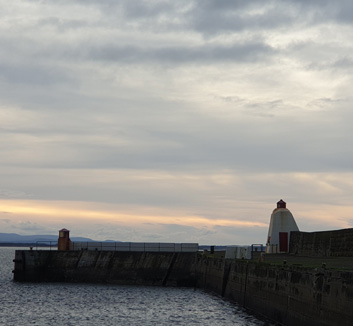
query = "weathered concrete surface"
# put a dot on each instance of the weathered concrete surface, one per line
(105, 267)
(337, 243)
(287, 294)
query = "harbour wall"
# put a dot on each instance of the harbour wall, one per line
(139, 268)
(336, 243)
(290, 295)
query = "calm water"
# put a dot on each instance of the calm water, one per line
(85, 304)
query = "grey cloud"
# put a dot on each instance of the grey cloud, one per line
(28, 226)
(33, 74)
(204, 16)
(345, 14)
(150, 10)
(137, 9)
(13, 194)
(214, 17)
(222, 5)
(321, 54)
(344, 63)
(266, 109)
(62, 25)
(233, 16)
(325, 103)
(337, 66)
(217, 53)
(337, 11)
(225, 17)
(279, 143)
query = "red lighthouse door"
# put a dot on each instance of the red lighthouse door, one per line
(283, 242)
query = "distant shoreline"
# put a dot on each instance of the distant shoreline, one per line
(12, 244)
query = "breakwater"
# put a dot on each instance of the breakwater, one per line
(290, 295)
(140, 268)
(335, 243)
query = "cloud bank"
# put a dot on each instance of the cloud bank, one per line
(204, 112)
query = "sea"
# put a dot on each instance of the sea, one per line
(91, 304)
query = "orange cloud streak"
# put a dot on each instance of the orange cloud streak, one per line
(41, 211)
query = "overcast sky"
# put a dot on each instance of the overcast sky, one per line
(175, 121)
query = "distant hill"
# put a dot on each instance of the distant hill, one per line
(16, 238)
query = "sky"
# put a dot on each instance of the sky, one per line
(175, 121)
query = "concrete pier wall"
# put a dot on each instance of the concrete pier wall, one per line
(290, 295)
(287, 294)
(337, 243)
(141, 268)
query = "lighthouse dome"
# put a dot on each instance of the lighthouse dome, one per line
(281, 224)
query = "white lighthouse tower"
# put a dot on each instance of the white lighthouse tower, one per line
(281, 224)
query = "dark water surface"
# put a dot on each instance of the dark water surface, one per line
(88, 304)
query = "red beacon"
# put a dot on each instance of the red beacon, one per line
(64, 240)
